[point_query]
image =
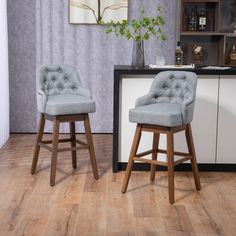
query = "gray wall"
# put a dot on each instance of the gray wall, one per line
(85, 46)
(22, 62)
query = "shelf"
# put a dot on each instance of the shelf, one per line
(208, 33)
(201, 1)
(211, 9)
(217, 40)
(230, 34)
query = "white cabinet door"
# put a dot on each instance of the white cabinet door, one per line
(204, 123)
(131, 89)
(227, 121)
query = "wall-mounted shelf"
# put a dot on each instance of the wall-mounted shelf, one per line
(217, 39)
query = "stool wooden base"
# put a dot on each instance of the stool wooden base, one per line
(169, 131)
(55, 141)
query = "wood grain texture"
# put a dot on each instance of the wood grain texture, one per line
(80, 205)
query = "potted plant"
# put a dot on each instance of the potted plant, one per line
(138, 31)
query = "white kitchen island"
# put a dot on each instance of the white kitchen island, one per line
(214, 124)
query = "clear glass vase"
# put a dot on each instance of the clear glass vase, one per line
(138, 54)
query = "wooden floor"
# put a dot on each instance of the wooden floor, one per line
(80, 205)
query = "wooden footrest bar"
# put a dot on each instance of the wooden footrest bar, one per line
(161, 163)
(182, 160)
(182, 154)
(141, 154)
(44, 145)
(71, 149)
(81, 142)
(64, 140)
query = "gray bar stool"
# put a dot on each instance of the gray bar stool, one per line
(168, 108)
(61, 98)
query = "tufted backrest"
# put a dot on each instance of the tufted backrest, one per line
(174, 87)
(58, 79)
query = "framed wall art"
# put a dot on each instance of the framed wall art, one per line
(97, 11)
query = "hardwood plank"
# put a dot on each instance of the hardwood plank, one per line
(39, 207)
(144, 198)
(119, 214)
(80, 205)
(62, 221)
(152, 226)
(176, 219)
(92, 214)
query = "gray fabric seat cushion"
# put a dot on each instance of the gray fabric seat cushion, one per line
(170, 100)
(163, 114)
(60, 92)
(66, 104)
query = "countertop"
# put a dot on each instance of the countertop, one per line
(127, 69)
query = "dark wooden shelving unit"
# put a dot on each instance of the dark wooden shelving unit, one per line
(217, 40)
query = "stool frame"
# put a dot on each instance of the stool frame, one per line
(57, 119)
(170, 164)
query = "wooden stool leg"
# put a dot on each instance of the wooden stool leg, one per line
(155, 144)
(133, 152)
(170, 160)
(191, 149)
(37, 147)
(56, 126)
(91, 147)
(73, 144)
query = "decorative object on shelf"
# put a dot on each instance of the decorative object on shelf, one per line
(138, 31)
(160, 60)
(228, 19)
(232, 55)
(97, 11)
(192, 26)
(178, 55)
(138, 54)
(202, 20)
(197, 52)
(234, 29)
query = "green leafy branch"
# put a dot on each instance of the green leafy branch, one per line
(139, 30)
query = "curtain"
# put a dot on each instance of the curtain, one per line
(4, 84)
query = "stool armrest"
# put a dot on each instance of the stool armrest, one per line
(187, 112)
(41, 100)
(84, 92)
(144, 100)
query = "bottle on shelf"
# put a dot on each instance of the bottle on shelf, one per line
(178, 55)
(202, 20)
(192, 24)
(232, 55)
(185, 20)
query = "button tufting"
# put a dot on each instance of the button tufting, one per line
(59, 70)
(66, 79)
